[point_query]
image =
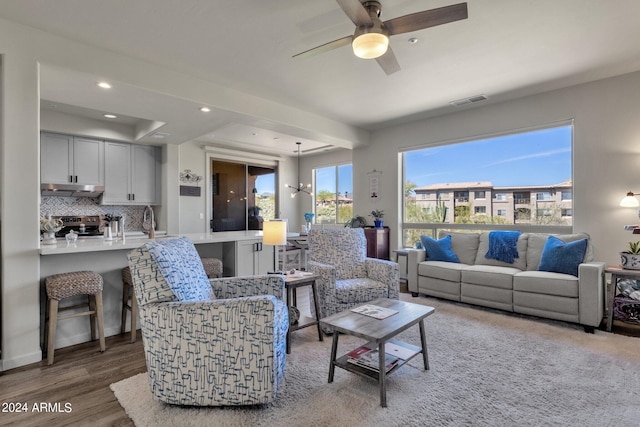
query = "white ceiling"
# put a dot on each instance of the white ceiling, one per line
(505, 49)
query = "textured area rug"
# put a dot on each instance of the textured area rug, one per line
(487, 369)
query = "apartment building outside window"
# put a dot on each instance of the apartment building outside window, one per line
(544, 196)
(517, 180)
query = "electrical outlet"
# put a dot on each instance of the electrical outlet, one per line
(201, 215)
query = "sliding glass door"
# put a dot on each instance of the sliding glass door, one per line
(242, 195)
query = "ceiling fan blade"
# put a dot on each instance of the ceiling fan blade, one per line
(388, 62)
(325, 47)
(425, 19)
(356, 12)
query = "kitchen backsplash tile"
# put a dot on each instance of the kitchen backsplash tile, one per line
(58, 206)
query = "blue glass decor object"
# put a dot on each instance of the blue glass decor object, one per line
(308, 216)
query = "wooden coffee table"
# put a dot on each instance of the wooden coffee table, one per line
(378, 332)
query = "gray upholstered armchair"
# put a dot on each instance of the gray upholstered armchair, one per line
(208, 342)
(347, 276)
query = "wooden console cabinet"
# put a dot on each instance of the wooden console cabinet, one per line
(377, 242)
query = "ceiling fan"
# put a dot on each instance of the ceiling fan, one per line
(371, 38)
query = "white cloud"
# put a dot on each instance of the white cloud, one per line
(529, 156)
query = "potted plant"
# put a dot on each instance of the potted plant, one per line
(254, 210)
(630, 259)
(377, 215)
(356, 222)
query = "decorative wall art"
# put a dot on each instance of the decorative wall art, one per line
(189, 177)
(374, 185)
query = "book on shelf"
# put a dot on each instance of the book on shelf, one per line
(374, 311)
(369, 358)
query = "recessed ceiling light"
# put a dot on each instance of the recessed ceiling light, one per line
(104, 85)
(205, 109)
(276, 139)
(413, 40)
(110, 116)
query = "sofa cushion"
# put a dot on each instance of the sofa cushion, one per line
(483, 247)
(537, 241)
(441, 270)
(464, 245)
(489, 275)
(438, 250)
(542, 282)
(561, 257)
(182, 268)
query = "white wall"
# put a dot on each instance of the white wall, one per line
(606, 152)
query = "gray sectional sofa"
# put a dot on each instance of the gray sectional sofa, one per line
(516, 287)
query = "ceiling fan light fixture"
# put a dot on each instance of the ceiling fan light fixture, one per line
(370, 45)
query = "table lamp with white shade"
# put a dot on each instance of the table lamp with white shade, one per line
(274, 233)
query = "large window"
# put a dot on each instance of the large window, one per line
(333, 194)
(512, 168)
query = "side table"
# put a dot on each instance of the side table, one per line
(617, 273)
(403, 253)
(292, 283)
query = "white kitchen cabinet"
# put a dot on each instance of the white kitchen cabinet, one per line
(252, 257)
(131, 174)
(66, 159)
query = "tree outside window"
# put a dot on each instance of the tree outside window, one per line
(333, 200)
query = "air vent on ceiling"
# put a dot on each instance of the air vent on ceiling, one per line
(159, 135)
(470, 100)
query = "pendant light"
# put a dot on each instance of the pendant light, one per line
(301, 187)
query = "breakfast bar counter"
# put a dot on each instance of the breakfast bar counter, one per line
(240, 251)
(132, 241)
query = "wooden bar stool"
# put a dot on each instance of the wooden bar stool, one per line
(213, 267)
(129, 303)
(67, 285)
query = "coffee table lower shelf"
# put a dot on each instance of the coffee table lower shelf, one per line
(343, 361)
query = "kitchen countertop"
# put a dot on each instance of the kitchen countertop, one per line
(134, 240)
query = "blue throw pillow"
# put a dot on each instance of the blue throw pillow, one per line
(559, 256)
(503, 246)
(439, 250)
(181, 266)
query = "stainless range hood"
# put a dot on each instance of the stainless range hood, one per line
(71, 190)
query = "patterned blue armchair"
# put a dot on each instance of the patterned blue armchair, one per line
(347, 276)
(208, 342)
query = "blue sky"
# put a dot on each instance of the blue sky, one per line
(541, 157)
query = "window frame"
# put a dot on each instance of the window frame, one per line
(336, 193)
(407, 228)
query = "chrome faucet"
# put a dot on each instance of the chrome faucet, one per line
(149, 224)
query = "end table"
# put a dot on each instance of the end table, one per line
(617, 273)
(292, 283)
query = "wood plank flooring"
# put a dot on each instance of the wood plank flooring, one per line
(75, 389)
